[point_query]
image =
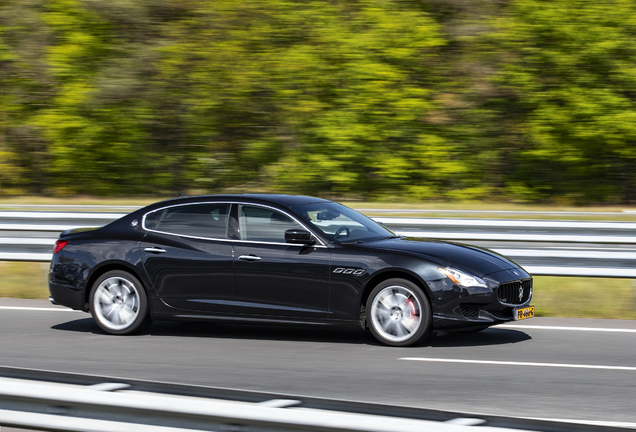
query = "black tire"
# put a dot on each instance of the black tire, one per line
(399, 313)
(119, 303)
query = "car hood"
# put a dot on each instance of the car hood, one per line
(478, 261)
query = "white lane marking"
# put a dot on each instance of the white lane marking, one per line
(38, 309)
(510, 363)
(589, 329)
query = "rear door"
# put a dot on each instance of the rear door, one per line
(188, 257)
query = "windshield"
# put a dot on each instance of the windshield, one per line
(340, 223)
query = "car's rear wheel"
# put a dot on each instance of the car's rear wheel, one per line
(398, 313)
(119, 303)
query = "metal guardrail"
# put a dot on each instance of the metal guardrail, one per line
(110, 407)
(64, 401)
(543, 247)
(624, 212)
(30, 235)
(83, 207)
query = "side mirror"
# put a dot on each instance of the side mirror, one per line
(299, 236)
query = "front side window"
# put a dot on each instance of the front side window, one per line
(207, 220)
(264, 225)
(340, 223)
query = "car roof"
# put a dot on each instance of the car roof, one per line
(278, 199)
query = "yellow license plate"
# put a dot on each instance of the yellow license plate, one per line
(523, 313)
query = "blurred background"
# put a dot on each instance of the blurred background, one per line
(489, 106)
(499, 100)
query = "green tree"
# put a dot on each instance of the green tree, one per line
(91, 125)
(311, 96)
(24, 90)
(567, 70)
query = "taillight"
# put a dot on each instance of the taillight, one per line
(59, 245)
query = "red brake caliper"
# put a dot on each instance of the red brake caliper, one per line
(412, 306)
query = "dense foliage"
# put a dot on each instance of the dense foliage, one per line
(386, 99)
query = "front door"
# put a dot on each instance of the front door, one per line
(274, 278)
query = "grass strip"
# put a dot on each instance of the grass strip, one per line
(581, 297)
(24, 279)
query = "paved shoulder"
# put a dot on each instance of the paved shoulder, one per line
(43, 304)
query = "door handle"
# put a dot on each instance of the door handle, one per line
(155, 250)
(249, 258)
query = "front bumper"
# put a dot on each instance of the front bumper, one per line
(459, 307)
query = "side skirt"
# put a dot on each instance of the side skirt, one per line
(248, 319)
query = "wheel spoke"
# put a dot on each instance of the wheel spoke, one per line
(128, 313)
(129, 302)
(104, 297)
(401, 301)
(126, 289)
(390, 327)
(382, 312)
(387, 301)
(399, 329)
(114, 289)
(116, 317)
(111, 308)
(387, 325)
(410, 324)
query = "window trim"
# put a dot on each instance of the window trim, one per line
(227, 223)
(232, 203)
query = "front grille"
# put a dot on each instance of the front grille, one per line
(515, 293)
(470, 310)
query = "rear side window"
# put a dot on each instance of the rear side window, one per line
(197, 220)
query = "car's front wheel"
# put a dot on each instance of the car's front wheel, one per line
(398, 313)
(119, 303)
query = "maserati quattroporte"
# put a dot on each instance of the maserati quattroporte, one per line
(282, 259)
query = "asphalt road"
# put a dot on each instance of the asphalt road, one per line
(581, 370)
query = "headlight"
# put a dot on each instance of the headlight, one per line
(463, 279)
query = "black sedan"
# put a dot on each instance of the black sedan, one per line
(281, 259)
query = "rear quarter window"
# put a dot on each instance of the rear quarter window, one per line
(207, 220)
